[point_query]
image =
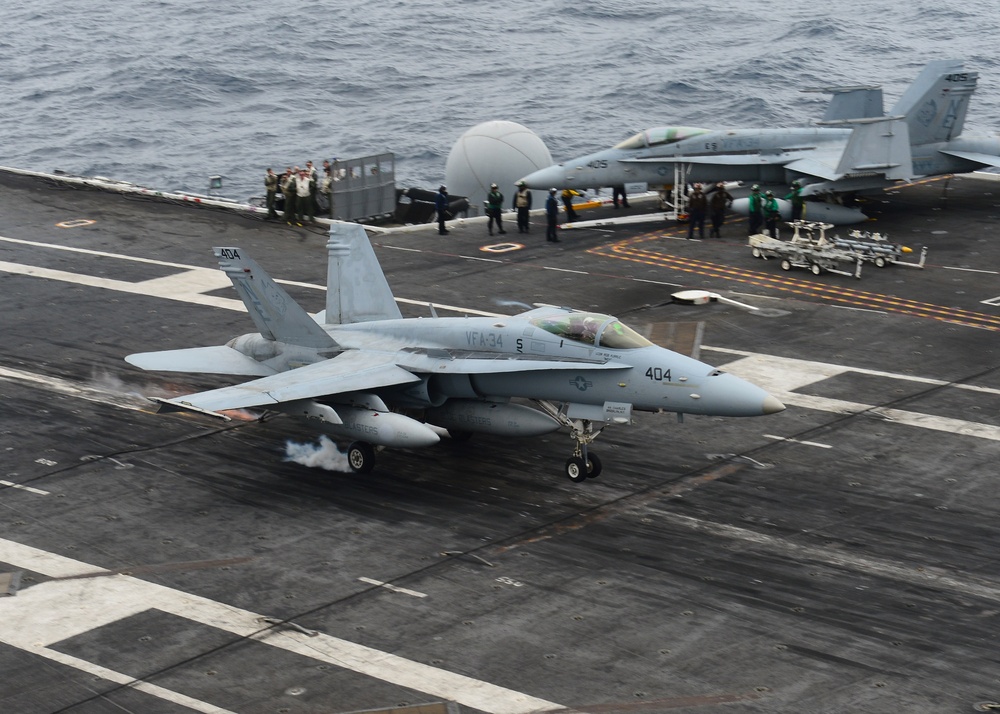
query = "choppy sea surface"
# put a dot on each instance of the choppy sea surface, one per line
(166, 93)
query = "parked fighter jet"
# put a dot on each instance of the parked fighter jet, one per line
(854, 148)
(353, 370)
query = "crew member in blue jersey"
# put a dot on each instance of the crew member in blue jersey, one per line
(441, 206)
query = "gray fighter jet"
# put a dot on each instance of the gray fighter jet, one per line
(360, 372)
(854, 148)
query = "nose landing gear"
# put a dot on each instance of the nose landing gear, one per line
(582, 464)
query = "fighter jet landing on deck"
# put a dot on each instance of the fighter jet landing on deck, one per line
(855, 147)
(361, 372)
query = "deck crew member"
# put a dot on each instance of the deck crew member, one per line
(271, 189)
(287, 184)
(755, 211)
(771, 213)
(494, 207)
(552, 217)
(303, 197)
(441, 206)
(798, 202)
(522, 203)
(697, 206)
(721, 200)
(567, 199)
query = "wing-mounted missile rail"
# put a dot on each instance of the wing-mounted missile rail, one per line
(810, 248)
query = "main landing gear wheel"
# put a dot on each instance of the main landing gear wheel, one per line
(361, 457)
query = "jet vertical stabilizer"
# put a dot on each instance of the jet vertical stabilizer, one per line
(356, 288)
(936, 103)
(878, 146)
(273, 311)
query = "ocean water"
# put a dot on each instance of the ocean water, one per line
(165, 93)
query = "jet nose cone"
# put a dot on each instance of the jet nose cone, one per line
(546, 178)
(772, 405)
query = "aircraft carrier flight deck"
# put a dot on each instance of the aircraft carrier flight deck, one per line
(839, 556)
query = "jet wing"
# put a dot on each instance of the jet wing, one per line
(351, 371)
(985, 159)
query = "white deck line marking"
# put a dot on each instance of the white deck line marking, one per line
(52, 611)
(61, 386)
(100, 253)
(183, 287)
(393, 588)
(149, 288)
(656, 282)
(926, 576)
(781, 375)
(18, 486)
(971, 270)
(798, 441)
(832, 370)
(124, 679)
(564, 270)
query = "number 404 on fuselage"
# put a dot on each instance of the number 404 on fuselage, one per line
(361, 373)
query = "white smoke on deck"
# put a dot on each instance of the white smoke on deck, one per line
(324, 455)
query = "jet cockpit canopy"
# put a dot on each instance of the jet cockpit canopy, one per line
(660, 135)
(592, 328)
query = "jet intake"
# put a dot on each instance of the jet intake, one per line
(491, 418)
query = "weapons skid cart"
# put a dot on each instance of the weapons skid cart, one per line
(817, 254)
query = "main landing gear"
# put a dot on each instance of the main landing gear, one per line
(361, 457)
(582, 464)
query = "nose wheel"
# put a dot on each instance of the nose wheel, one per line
(580, 469)
(582, 464)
